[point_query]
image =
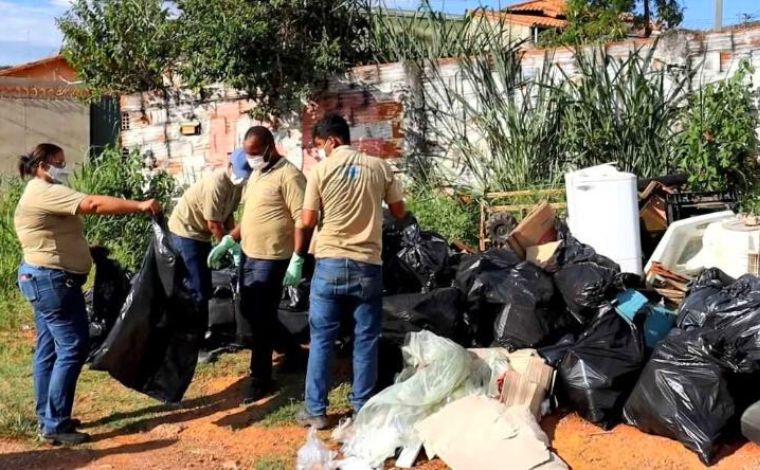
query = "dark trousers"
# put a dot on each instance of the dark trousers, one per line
(197, 276)
(260, 294)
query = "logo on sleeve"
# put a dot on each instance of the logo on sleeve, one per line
(352, 172)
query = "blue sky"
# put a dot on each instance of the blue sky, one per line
(28, 32)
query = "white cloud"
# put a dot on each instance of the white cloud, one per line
(61, 3)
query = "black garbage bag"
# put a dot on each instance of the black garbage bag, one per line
(223, 309)
(424, 255)
(293, 312)
(693, 310)
(683, 394)
(529, 317)
(104, 300)
(397, 278)
(585, 279)
(599, 371)
(153, 347)
(477, 277)
(553, 354)
(439, 311)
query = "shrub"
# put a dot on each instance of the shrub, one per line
(718, 147)
(113, 174)
(448, 215)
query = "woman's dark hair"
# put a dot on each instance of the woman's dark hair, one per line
(333, 125)
(27, 164)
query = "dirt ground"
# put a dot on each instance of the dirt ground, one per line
(212, 431)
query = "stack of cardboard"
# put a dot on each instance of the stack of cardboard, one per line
(529, 381)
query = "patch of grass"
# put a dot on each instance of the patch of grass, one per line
(17, 418)
(339, 398)
(15, 311)
(283, 416)
(273, 463)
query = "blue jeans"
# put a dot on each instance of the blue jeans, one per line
(343, 287)
(197, 274)
(62, 341)
(260, 294)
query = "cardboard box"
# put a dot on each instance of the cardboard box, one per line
(543, 255)
(528, 383)
(535, 229)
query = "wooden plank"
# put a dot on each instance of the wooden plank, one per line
(528, 192)
(522, 207)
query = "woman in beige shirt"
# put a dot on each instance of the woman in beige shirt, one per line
(56, 261)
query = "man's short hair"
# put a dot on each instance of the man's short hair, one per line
(332, 125)
(262, 134)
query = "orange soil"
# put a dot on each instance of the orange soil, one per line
(214, 432)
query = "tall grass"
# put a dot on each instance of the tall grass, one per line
(13, 309)
(622, 110)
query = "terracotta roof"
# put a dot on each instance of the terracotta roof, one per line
(552, 8)
(525, 20)
(12, 71)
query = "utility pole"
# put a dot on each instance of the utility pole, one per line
(718, 14)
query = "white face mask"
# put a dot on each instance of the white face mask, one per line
(321, 154)
(256, 162)
(59, 175)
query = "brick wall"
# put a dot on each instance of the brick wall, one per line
(374, 99)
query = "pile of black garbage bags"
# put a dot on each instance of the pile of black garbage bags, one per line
(691, 386)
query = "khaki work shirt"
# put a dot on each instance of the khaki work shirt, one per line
(272, 212)
(48, 227)
(213, 197)
(349, 188)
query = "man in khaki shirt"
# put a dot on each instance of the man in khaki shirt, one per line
(348, 188)
(273, 244)
(205, 212)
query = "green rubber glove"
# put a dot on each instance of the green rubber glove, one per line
(228, 244)
(293, 274)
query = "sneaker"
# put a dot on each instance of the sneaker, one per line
(257, 391)
(317, 422)
(71, 438)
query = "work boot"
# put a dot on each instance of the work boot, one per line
(317, 422)
(70, 438)
(257, 391)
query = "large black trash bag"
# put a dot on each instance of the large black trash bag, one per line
(693, 310)
(731, 331)
(293, 312)
(223, 309)
(683, 394)
(478, 276)
(599, 371)
(585, 279)
(439, 311)
(104, 300)
(153, 347)
(397, 278)
(424, 255)
(529, 317)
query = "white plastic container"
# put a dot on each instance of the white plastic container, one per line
(682, 243)
(731, 246)
(603, 211)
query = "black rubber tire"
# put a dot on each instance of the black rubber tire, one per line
(498, 228)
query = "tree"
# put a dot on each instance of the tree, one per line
(594, 20)
(278, 51)
(667, 12)
(120, 46)
(606, 20)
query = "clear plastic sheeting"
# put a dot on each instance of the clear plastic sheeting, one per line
(314, 455)
(436, 372)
